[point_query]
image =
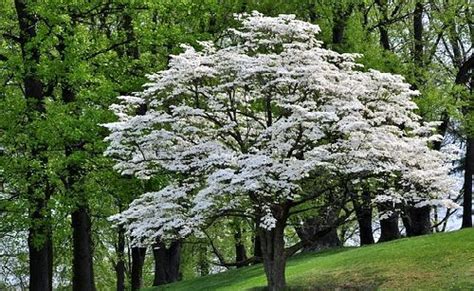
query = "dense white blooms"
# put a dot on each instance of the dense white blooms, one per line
(241, 122)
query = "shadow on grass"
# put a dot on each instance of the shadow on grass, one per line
(314, 255)
(330, 284)
(237, 277)
(220, 280)
(328, 287)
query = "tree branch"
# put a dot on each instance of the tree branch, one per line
(115, 45)
(463, 74)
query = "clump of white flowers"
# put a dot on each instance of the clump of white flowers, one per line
(240, 123)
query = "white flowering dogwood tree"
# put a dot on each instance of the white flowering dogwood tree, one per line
(240, 123)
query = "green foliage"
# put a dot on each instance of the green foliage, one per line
(97, 63)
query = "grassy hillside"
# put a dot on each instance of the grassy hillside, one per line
(438, 261)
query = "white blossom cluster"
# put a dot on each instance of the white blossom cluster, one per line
(240, 124)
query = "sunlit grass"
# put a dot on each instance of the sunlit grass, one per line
(438, 261)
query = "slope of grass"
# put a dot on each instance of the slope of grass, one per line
(439, 261)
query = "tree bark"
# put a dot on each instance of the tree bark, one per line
(418, 34)
(240, 253)
(463, 77)
(257, 247)
(389, 227)
(319, 233)
(417, 220)
(167, 262)
(83, 275)
(39, 234)
(40, 250)
(384, 38)
(363, 210)
(133, 50)
(339, 24)
(120, 265)
(467, 189)
(138, 259)
(338, 31)
(274, 259)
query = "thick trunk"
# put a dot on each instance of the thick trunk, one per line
(167, 261)
(365, 230)
(363, 209)
(319, 233)
(464, 77)
(138, 253)
(389, 226)
(338, 31)
(274, 258)
(40, 251)
(83, 275)
(467, 195)
(132, 50)
(418, 34)
(257, 248)
(384, 38)
(120, 265)
(138, 259)
(417, 221)
(39, 234)
(240, 253)
(339, 24)
(327, 239)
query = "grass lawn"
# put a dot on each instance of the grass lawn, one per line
(438, 261)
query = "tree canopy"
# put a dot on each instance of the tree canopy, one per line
(241, 125)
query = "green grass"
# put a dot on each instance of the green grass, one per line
(439, 261)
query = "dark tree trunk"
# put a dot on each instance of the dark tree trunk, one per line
(257, 247)
(363, 210)
(467, 195)
(318, 241)
(319, 233)
(389, 226)
(120, 265)
(131, 50)
(339, 24)
(465, 77)
(40, 251)
(274, 258)
(338, 31)
(138, 259)
(418, 34)
(82, 262)
(417, 221)
(240, 253)
(167, 261)
(39, 234)
(83, 275)
(389, 229)
(365, 230)
(384, 38)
